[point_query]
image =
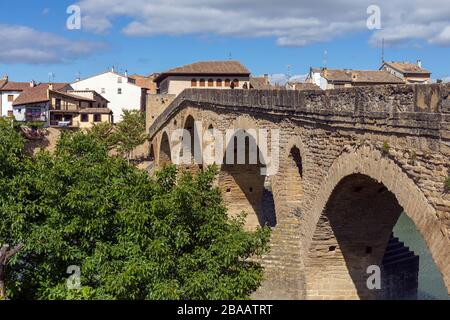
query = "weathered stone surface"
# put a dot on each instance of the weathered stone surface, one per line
(351, 160)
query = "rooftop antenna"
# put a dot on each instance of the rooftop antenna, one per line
(230, 57)
(325, 58)
(78, 78)
(382, 51)
(288, 74)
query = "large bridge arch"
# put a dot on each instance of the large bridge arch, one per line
(351, 221)
(244, 185)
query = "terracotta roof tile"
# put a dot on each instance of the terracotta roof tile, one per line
(360, 76)
(260, 83)
(32, 95)
(229, 67)
(15, 86)
(407, 67)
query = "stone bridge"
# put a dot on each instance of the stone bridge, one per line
(350, 162)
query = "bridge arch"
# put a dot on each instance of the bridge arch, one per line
(351, 222)
(245, 188)
(164, 153)
(194, 146)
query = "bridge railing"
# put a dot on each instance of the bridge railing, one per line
(428, 104)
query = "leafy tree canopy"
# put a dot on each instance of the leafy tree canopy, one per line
(133, 236)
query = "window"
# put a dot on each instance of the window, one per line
(202, 82)
(103, 90)
(236, 83)
(193, 82)
(84, 118)
(219, 83)
(119, 80)
(58, 104)
(97, 117)
(10, 98)
(119, 91)
(210, 83)
(227, 82)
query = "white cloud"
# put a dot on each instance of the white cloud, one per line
(22, 44)
(291, 22)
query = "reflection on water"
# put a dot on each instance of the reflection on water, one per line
(431, 285)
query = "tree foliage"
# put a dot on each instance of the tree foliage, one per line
(129, 133)
(133, 236)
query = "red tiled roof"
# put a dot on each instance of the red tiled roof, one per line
(407, 67)
(208, 68)
(260, 83)
(360, 76)
(39, 94)
(14, 86)
(32, 95)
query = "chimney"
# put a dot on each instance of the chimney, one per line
(5, 77)
(112, 69)
(419, 63)
(126, 73)
(50, 86)
(32, 84)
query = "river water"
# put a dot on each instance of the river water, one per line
(431, 284)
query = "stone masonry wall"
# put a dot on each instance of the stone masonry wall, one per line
(390, 138)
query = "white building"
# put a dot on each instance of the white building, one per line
(9, 91)
(204, 75)
(120, 90)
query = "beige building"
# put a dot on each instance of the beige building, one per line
(204, 74)
(345, 78)
(74, 109)
(408, 72)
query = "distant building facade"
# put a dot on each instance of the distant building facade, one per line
(344, 78)
(57, 108)
(121, 91)
(409, 72)
(204, 74)
(10, 90)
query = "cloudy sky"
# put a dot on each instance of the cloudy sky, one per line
(275, 37)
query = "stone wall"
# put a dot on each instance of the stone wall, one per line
(392, 143)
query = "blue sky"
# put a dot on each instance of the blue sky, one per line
(146, 36)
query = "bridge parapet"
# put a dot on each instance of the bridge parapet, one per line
(419, 109)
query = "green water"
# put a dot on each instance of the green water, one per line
(431, 284)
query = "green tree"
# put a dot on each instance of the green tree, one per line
(129, 133)
(133, 236)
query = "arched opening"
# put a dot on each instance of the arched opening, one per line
(354, 237)
(219, 83)
(209, 147)
(294, 176)
(236, 83)
(210, 82)
(193, 82)
(227, 83)
(244, 187)
(192, 145)
(164, 151)
(202, 82)
(152, 153)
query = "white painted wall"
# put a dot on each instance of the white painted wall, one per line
(176, 84)
(130, 98)
(4, 104)
(19, 112)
